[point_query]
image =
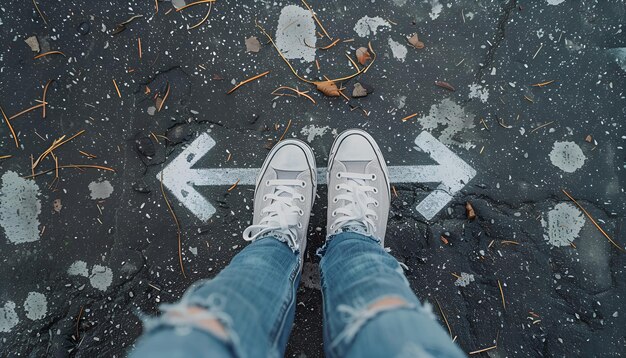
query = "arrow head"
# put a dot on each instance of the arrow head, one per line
(180, 168)
(452, 173)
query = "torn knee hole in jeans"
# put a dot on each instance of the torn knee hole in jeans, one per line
(199, 313)
(357, 318)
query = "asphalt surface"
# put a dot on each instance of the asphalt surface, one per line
(81, 255)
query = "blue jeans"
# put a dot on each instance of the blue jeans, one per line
(254, 300)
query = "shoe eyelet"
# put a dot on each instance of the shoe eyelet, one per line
(302, 198)
(264, 197)
(332, 227)
(376, 204)
(334, 213)
(373, 176)
(335, 200)
(299, 225)
(301, 212)
(303, 184)
(375, 191)
(338, 175)
(267, 183)
(337, 187)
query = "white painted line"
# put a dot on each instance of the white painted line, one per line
(451, 173)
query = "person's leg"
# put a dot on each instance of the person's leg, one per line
(247, 310)
(369, 308)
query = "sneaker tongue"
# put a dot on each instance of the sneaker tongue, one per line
(286, 174)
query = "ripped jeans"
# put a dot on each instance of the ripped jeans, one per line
(253, 299)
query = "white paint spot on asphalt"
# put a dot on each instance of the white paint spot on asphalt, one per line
(567, 156)
(151, 110)
(478, 91)
(178, 3)
(35, 305)
(563, 224)
(398, 50)
(436, 9)
(78, 268)
(311, 131)
(295, 28)
(620, 56)
(19, 208)
(193, 250)
(555, 2)
(452, 117)
(400, 101)
(101, 277)
(367, 26)
(100, 190)
(464, 280)
(8, 317)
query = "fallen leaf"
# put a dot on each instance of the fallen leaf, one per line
(415, 42)
(445, 85)
(253, 44)
(443, 239)
(589, 138)
(33, 43)
(56, 205)
(329, 88)
(363, 55)
(359, 91)
(471, 215)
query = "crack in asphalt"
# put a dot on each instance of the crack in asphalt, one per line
(498, 38)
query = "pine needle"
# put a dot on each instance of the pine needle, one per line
(78, 322)
(285, 132)
(74, 166)
(483, 350)
(203, 19)
(193, 4)
(156, 6)
(43, 97)
(502, 294)
(6, 120)
(139, 46)
(593, 221)
(233, 186)
(247, 81)
(408, 117)
(298, 92)
(180, 253)
(317, 20)
(541, 84)
(55, 144)
(40, 13)
(167, 93)
(444, 317)
(27, 110)
(117, 89)
(48, 53)
(541, 126)
(5, 156)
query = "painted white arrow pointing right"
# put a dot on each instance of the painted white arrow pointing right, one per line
(451, 172)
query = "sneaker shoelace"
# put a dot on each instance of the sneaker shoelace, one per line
(281, 217)
(356, 210)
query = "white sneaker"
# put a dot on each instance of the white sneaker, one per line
(284, 195)
(358, 186)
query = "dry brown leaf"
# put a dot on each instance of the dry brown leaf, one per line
(253, 44)
(329, 88)
(445, 85)
(359, 91)
(589, 138)
(415, 42)
(363, 55)
(469, 209)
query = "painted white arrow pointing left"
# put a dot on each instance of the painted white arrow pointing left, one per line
(179, 176)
